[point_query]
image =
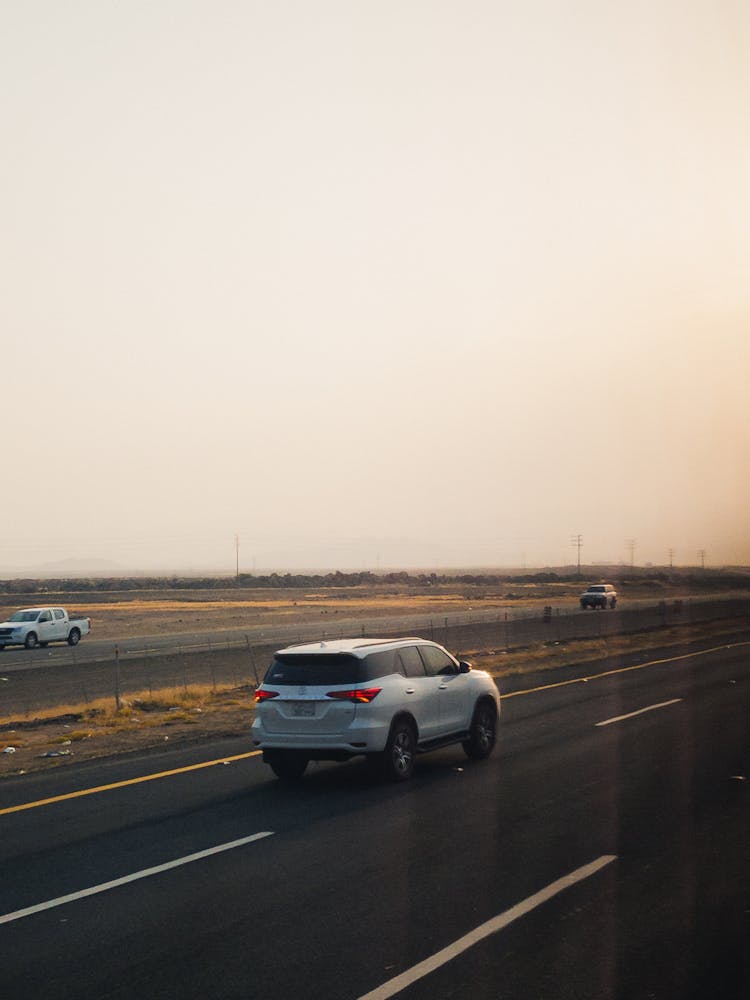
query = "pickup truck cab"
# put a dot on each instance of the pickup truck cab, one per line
(32, 627)
(599, 595)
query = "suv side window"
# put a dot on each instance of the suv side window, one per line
(412, 661)
(381, 664)
(436, 661)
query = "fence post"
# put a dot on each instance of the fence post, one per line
(252, 661)
(117, 677)
(183, 665)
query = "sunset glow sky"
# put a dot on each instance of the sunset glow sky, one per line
(422, 283)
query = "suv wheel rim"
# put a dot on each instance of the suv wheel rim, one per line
(402, 753)
(485, 729)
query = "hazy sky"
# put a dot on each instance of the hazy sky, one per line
(369, 284)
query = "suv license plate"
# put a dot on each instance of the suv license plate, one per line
(303, 708)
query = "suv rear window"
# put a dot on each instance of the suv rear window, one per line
(336, 668)
(323, 668)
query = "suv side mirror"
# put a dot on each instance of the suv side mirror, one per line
(464, 667)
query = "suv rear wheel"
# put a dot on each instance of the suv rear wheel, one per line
(400, 750)
(289, 765)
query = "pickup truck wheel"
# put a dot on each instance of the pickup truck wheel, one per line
(613, 602)
(31, 640)
(483, 732)
(74, 637)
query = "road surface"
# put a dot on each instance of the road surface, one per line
(601, 852)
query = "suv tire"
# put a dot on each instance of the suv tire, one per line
(287, 764)
(483, 732)
(400, 751)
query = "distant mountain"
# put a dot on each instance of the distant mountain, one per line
(66, 568)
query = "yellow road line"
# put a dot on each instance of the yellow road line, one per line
(624, 670)
(129, 781)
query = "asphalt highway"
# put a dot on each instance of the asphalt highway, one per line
(601, 852)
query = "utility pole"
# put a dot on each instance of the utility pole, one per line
(237, 555)
(577, 540)
(702, 557)
(671, 558)
(631, 550)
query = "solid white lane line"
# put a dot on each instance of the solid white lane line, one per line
(630, 715)
(422, 969)
(106, 886)
(624, 670)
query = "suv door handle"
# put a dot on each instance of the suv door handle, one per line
(408, 690)
(442, 687)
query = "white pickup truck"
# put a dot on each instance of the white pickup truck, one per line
(32, 627)
(599, 595)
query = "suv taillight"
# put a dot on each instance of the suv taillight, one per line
(261, 695)
(361, 695)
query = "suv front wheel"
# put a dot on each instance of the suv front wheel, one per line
(483, 732)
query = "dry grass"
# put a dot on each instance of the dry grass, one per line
(144, 720)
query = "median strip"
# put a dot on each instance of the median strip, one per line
(146, 873)
(422, 969)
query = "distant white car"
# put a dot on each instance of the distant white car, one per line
(599, 595)
(386, 699)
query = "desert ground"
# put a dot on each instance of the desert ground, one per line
(120, 614)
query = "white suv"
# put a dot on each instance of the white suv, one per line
(388, 699)
(599, 595)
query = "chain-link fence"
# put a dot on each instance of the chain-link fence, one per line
(77, 676)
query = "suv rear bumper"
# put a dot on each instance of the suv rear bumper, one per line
(336, 743)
